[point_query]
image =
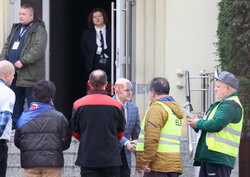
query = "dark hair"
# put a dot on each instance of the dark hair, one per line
(160, 85)
(99, 79)
(43, 91)
(28, 6)
(90, 17)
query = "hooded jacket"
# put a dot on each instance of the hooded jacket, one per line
(32, 54)
(42, 139)
(158, 117)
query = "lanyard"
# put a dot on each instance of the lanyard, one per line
(23, 31)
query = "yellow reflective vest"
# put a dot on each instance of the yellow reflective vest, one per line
(170, 133)
(227, 140)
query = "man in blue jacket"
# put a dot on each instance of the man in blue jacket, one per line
(123, 93)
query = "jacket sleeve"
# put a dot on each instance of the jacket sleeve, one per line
(85, 53)
(5, 116)
(5, 48)
(225, 114)
(155, 121)
(137, 128)
(36, 48)
(121, 125)
(17, 138)
(65, 133)
(74, 123)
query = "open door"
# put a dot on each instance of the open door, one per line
(125, 28)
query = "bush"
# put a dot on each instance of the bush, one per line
(233, 49)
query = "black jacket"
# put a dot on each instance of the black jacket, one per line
(89, 46)
(99, 124)
(42, 140)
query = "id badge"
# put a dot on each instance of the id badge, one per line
(15, 45)
(99, 50)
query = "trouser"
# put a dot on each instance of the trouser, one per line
(161, 174)
(214, 170)
(100, 172)
(3, 157)
(21, 93)
(124, 171)
(43, 172)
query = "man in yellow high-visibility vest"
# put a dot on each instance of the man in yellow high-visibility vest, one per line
(158, 146)
(221, 126)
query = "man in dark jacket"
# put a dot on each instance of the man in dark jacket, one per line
(42, 134)
(25, 49)
(99, 124)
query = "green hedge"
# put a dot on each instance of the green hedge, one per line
(233, 49)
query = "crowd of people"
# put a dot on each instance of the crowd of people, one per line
(108, 128)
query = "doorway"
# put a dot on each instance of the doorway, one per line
(68, 20)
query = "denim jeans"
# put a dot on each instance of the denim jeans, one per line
(3, 157)
(21, 93)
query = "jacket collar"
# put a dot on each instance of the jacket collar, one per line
(97, 91)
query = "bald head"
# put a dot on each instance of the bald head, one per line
(7, 71)
(98, 79)
(123, 89)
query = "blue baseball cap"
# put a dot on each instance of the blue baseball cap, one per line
(229, 79)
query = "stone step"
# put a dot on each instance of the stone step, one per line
(71, 170)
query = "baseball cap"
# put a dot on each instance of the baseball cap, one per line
(229, 79)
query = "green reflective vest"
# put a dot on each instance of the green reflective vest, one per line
(227, 140)
(170, 133)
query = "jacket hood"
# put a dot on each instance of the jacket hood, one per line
(173, 105)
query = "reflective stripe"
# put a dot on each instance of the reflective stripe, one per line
(223, 140)
(172, 137)
(141, 140)
(232, 131)
(142, 132)
(167, 142)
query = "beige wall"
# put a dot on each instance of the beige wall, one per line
(172, 35)
(4, 22)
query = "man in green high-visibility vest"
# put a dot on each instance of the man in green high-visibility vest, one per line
(221, 126)
(158, 146)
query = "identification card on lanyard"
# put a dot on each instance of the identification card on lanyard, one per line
(22, 32)
(15, 45)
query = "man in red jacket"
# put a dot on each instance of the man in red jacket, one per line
(98, 122)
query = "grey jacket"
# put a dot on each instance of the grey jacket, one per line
(32, 55)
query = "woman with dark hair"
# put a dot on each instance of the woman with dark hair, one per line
(96, 43)
(42, 134)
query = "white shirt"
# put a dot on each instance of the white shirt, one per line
(7, 101)
(125, 108)
(98, 36)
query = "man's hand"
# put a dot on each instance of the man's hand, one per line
(192, 122)
(131, 145)
(18, 64)
(146, 168)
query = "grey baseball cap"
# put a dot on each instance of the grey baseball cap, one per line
(229, 79)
